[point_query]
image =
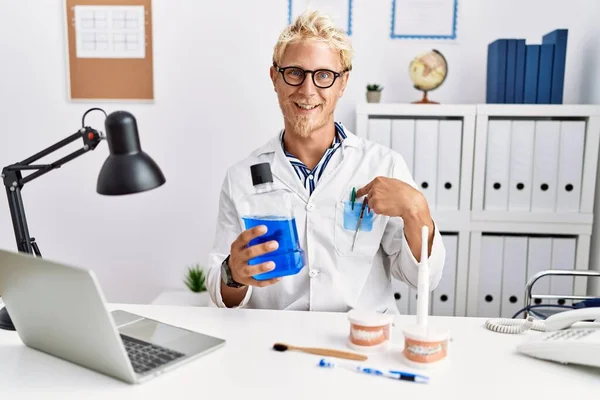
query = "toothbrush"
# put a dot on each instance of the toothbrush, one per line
(423, 280)
(398, 375)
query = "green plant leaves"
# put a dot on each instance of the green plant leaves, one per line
(195, 279)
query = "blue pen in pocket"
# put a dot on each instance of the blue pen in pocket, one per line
(351, 217)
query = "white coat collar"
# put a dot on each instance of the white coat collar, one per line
(283, 170)
(274, 145)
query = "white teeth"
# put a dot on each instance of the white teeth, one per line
(305, 106)
(424, 350)
(367, 335)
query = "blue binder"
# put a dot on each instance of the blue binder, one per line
(520, 72)
(545, 73)
(532, 62)
(489, 88)
(496, 72)
(511, 69)
(559, 39)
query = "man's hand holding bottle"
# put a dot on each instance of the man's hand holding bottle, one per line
(241, 253)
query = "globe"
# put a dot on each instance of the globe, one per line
(428, 71)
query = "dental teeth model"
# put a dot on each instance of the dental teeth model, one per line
(369, 331)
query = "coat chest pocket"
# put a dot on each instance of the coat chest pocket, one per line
(346, 221)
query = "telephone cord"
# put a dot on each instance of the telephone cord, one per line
(514, 326)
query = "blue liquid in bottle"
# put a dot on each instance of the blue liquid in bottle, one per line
(272, 207)
(289, 257)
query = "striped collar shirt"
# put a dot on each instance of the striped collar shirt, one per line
(310, 178)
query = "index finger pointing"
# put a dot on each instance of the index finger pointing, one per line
(364, 190)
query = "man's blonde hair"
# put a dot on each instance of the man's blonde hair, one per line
(319, 26)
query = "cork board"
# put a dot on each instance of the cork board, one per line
(110, 49)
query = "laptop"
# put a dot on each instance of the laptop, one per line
(60, 310)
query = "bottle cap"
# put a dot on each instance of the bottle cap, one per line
(261, 173)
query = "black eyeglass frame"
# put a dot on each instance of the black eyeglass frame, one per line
(312, 73)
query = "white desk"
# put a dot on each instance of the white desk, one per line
(481, 365)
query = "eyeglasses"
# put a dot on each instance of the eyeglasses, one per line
(322, 78)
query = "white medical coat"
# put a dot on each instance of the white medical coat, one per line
(335, 278)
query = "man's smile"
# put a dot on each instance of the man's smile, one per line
(306, 107)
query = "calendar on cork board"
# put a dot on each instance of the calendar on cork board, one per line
(110, 49)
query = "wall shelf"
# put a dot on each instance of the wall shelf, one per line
(479, 184)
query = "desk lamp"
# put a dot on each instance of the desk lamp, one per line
(126, 170)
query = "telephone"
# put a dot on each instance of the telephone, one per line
(561, 341)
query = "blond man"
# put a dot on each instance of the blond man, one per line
(320, 162)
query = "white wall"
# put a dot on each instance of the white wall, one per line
(214, 103)
(590, 92)
(480, 22)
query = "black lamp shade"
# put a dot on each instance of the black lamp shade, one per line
(127, 169)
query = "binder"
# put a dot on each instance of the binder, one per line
(539, 258)
(511, 70)
(403, 140)
(570, 166)
(496, 71)
(501, 68)
(442, 298)
(426, 158)
(497, 165)
(545, 73)
(380, 131)
(520, 72)
(532, 63)
(449, 156)
(559, 39)
(514, 279)
(490, 276)
(563, 257)
(545, 166)
(521, 165)
(400, 290)
(490, 95)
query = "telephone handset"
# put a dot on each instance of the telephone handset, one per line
(578, 344)
(565, 319)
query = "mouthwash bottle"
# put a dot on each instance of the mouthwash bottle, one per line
(273, 208)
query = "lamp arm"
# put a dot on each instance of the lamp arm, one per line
(14, 181)
(12, 174)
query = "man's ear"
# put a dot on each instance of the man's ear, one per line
(273, 74)
(343, 83)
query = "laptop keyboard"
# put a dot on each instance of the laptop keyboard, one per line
(146, 356)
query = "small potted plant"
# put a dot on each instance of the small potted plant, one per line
(195, 280)
(374, 93)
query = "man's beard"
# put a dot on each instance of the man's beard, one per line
(304, 125)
